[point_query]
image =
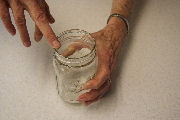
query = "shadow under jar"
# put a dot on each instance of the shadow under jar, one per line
(75, 63)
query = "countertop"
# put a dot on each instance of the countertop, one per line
(146, 83)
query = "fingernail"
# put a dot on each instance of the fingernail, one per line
(27, 43)
(56, 44)
(13, 32)
(87, 86)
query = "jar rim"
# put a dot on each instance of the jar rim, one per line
(77, 61)
(86, 33)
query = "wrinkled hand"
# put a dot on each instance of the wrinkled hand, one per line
(109, 41)
(40, 14)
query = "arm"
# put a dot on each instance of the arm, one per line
(122, 7)
(109, 40)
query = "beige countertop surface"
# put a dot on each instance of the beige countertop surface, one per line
(146, 83)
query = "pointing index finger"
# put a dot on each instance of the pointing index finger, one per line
(41, 21)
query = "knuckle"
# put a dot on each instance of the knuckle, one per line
(41, 17)
(20, 20)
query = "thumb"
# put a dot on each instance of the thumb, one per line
(98, 80)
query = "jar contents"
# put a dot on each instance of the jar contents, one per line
(75, 63)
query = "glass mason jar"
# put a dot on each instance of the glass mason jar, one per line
(75, 63)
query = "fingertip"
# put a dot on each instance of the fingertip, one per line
(81, 101)
(27, 43)
(37, 38)
(82, 98)
(87, 85)
(51, 20)
(13, 33)
(56, 44)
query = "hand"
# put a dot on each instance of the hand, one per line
(109, 41)
(40, 14)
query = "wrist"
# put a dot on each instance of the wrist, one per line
(116, 20)
(121, 11)
(118, 23)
